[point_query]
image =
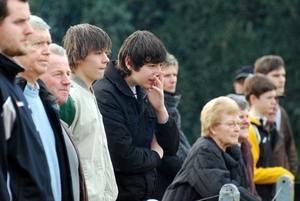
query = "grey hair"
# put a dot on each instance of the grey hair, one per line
(170, 60)
(58, 50)
(240, 101)
(38, 23)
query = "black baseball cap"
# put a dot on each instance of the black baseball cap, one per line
(243, 72)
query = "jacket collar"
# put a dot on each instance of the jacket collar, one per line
(75, 78)
(113, 75)
(43, 92)
(258, 121)
(171, 99)
(9, 67)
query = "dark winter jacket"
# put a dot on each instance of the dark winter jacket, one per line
(266, 173)
(206, 169)
(170, 165)
(285, 151)
(52, 109)
(21, 150)
(130, 124)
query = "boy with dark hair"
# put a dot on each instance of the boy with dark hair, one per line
(261, 96)
(87, 47)
(138, 126)
(286, 155)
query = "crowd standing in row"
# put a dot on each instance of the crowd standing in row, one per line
(77, 126)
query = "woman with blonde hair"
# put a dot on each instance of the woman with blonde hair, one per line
(215, 159)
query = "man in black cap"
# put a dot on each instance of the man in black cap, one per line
(240, 77)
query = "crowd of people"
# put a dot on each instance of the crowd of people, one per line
(76, 126)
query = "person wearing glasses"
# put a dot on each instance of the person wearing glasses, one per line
(215, 158)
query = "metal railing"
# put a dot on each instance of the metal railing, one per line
(284, 191)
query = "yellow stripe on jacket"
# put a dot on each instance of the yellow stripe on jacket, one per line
(267, 175)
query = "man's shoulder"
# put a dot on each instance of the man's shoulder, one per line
(104, 83)
(76, 89)
(283, 111)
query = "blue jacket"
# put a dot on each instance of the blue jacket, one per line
(129, 124)
(21, 150)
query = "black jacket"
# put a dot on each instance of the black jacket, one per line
(21, 150)
(129, 124)
(170, 165)
(52, 109)
(206, 169)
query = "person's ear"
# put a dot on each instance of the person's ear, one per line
(128, 63)
(252, 98)
(212, 130)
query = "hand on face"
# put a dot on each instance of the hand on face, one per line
(155, 93)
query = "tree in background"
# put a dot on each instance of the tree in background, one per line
(211, 39)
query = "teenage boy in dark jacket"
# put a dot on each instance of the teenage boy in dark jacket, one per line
(285, 151)
(139, 130)
(24, 172)
(260, 94)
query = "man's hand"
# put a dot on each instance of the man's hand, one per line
(156, 147)
(156, 98)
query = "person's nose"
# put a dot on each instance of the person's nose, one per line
(46, 50)
(274, 102)
(157, 70)
(282, 79)
(237, 127)
(28, 29)
(66, 79)
(173, 79)
(105, 58)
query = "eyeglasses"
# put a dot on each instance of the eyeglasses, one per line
(232, 124)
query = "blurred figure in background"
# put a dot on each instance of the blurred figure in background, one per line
(285, 154)
(170, 165)
(260, 94)
(239, 79)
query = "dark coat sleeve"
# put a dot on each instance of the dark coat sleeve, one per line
(125, 156)
(3, 162)
(168, 136)
(291, 150)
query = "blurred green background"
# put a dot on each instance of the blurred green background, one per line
(210, 38)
